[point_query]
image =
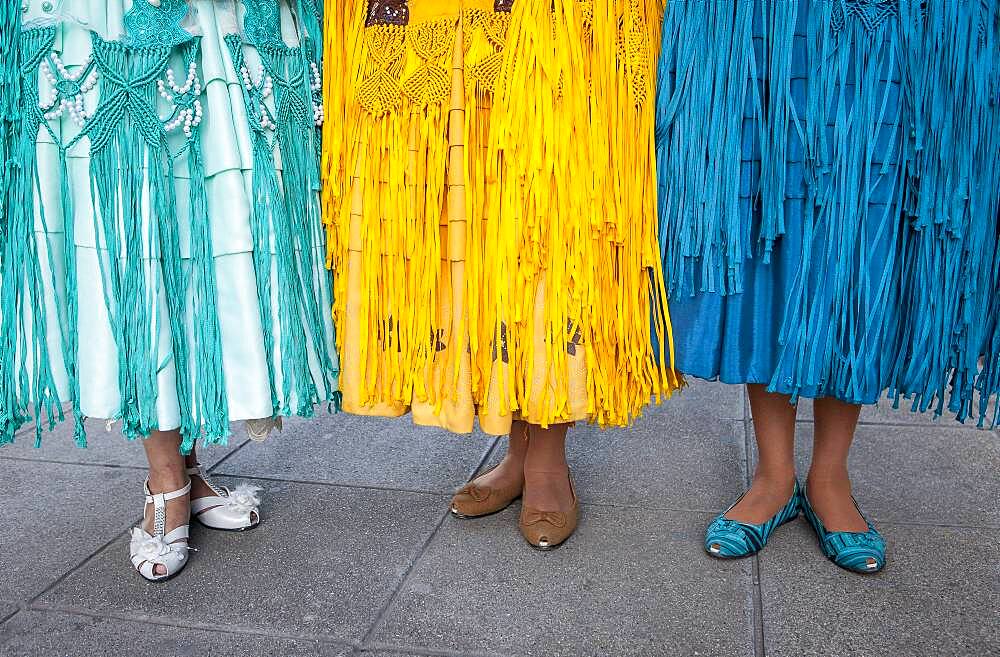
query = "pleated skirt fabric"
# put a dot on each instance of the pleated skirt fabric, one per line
(169, 270)
(828, 198)
(482, 267)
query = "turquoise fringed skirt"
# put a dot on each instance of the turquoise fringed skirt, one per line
(828, 198)
(163, 264)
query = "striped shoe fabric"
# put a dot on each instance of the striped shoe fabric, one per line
(731, 539)
(859, 552)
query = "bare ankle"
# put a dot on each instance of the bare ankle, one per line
(512, 460)
(166, 480)
(775, 478)
(829, 477)
(546, 467)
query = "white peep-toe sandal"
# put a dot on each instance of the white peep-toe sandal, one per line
(229, 510)
(148, 551)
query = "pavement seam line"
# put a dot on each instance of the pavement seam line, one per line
(332, 484)
(122, 466)
(756, 592)
(448, 494)
(908, 425)
(17, 609)
(485, 458)
(428, 652)
(367, 644)
(119, 466)
(189, 625)
(757, 599)
(422, 550)
(80, 564)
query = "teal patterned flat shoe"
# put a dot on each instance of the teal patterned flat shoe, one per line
(731, 539)
(858, 552)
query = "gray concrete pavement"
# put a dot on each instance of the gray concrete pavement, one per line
(357, 556)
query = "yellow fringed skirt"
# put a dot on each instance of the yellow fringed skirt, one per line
(490, 207)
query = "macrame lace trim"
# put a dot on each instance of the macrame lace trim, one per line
(390, 43)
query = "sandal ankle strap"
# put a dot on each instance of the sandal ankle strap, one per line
(159, 502)
(197, 472)
(166, 497)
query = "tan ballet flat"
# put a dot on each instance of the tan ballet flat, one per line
(475, 500)
(547, 530)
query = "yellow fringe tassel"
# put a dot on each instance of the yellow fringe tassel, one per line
(490, 205)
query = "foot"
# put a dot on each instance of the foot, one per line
(549, 512)
(548, 490)
(831, 500)
(177, 510)
(495, 489)
(767, 496)
(492, 491)
(218, 507)
(508, 474)
(200, 489)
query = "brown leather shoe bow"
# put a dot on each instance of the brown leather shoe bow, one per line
(546, 530)
(474, 500)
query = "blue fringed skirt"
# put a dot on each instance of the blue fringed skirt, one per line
(828, 197)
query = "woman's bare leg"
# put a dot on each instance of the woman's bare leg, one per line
(829, 484)
(166, 474)
(774, 478)
(546, 473)
(510, 472)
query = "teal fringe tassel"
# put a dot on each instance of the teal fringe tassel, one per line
(292, 282)
(25, 366)
(148, 287)
(925, 324)
(10, 168)
(211, 410)
(144, 257)
(838, 277)
(10, 101)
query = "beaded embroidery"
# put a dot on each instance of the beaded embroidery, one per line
(388, 12)
(66, 91)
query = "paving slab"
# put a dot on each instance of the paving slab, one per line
(938, 595)
(394, 653)
(53, 634)
(700, 399)
(919, 474)
(364, 451)
(54, 516)
(322, 563)
(661, 462)
(104, 447)
(630, 583)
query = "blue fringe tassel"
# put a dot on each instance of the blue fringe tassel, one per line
(922, 323)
